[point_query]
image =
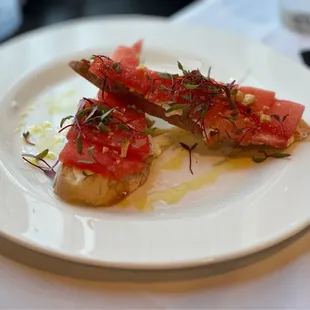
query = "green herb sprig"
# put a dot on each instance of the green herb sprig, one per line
(46, 167)
(259, 160)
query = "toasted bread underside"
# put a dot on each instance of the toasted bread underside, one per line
(85, 187)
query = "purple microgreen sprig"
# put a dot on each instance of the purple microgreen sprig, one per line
(190, 150)
(96, 116)
(197, 93)
(26, 136)
(46, 168)
(280, 120)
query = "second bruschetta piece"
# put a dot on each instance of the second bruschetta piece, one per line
(108, 153)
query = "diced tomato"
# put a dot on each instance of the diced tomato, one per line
(285, 121)
(139, 146)
(108, 148)
(263, 98)
(292, 112)
(108, 164)
(140, 80)
(127, 114)
(130, 56)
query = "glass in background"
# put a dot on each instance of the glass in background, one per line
(295, 15)
(292, 34)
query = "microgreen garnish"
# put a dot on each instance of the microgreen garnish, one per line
(39, 156)
(106, 114)
(93, 115)
(176, 107)
(209, 73)
(274, 155)
(123, 126)
(164, 88)
(277, 117)
(164, 75)
(102, 127)
(79, 144)
(116, 67)
(284, 117)
(46, 168)
(279, 120)
(180, 66)
(186, 97)
(198, 93)
(234, 92)
(167, 76)
(189, 149)
(26, 136)
(149, 131)
(280, 155)
(42, 155)
(65, 119)
(190, 86)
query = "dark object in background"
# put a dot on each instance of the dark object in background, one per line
(38, 13)
(305, 54)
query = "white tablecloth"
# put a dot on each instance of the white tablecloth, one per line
(275, 279)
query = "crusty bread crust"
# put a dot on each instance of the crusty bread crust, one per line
(85, 187)
(303, 131)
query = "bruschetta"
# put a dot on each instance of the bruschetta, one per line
(215, 110)
(108, 153)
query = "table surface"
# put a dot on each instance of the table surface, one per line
(273, 279)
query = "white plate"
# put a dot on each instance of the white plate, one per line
(237, 212)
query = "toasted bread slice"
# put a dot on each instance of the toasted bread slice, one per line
(85, 187)
(82, 68)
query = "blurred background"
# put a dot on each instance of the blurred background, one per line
(18, 16)
(281, 24)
